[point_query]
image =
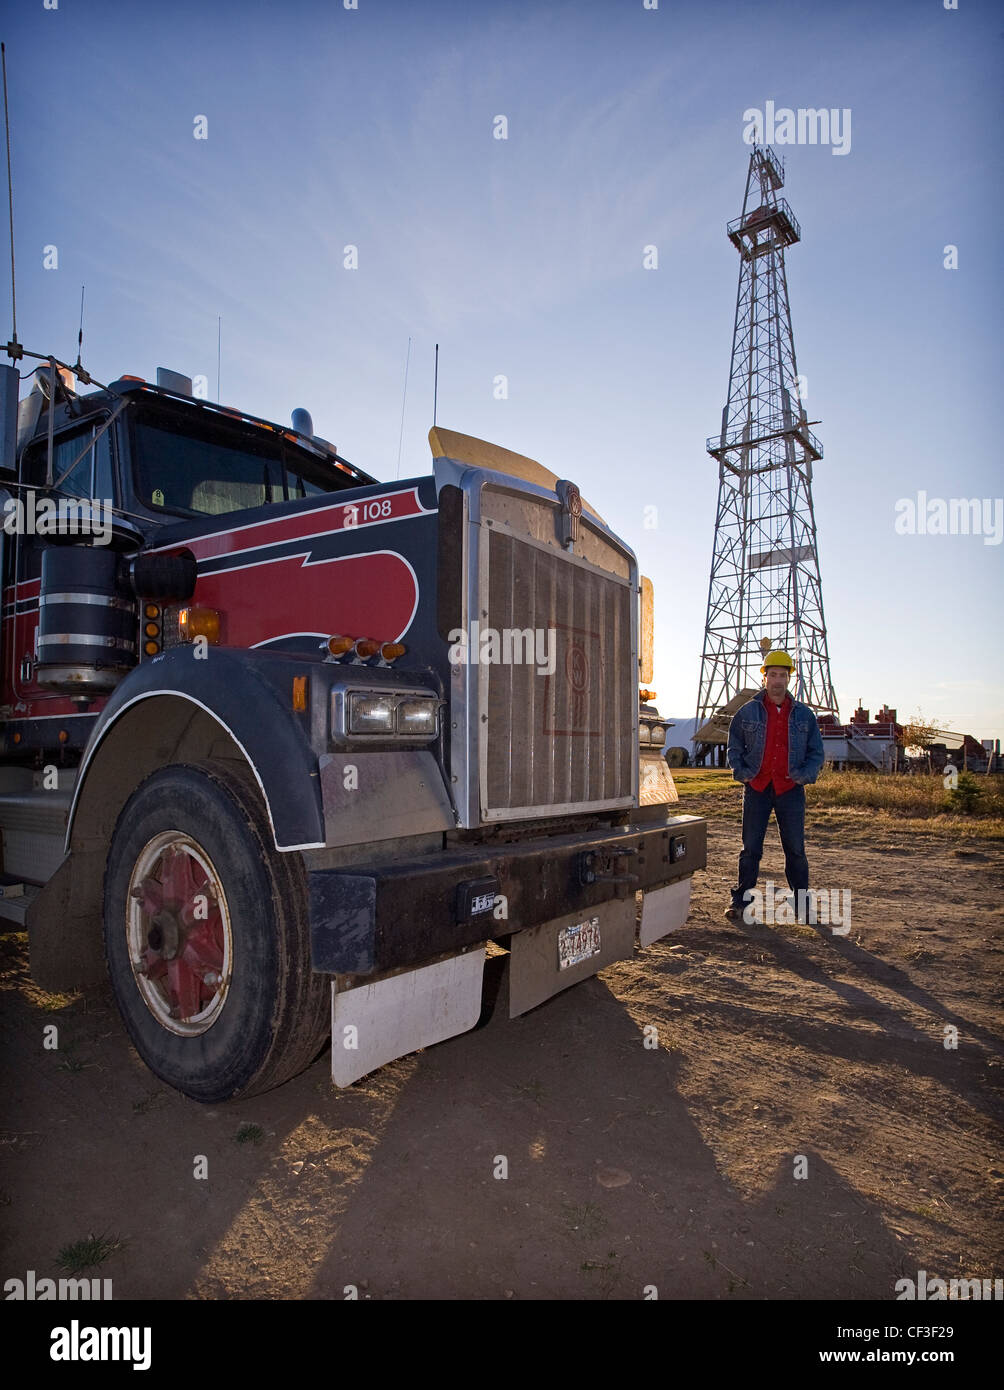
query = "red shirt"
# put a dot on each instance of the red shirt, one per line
(774, 767)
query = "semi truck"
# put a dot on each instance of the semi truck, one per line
(287, 752)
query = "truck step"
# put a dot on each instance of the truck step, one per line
(33, 825)
(14, 907)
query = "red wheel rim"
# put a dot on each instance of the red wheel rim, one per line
(179, 934)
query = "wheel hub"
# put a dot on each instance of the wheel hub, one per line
(179, 934)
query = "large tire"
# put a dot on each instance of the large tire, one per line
(206, 936)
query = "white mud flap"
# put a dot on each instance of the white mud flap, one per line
(373, 1024)
(547, 959)
(664, 910)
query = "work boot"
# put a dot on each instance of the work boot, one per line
(806, 911)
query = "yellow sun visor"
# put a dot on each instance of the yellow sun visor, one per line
(464, 448)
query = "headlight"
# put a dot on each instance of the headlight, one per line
(377, 714)
(417, 717)
(371, 714)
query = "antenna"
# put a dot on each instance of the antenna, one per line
(49, 465)
(400, 437)
(78, 366)
(80, 331)
(14, 349)
(435, 387)
(219, 347)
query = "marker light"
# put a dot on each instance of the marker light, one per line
(199, 622)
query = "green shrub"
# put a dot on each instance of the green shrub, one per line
(966, 795)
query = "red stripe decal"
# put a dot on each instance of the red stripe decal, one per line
(372, 595)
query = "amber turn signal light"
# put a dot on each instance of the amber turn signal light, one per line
(199, 622)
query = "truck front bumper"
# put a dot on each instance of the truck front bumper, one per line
(367, 921)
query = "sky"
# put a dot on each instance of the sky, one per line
(376, 126)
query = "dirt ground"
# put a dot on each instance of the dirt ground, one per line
(627, 1166)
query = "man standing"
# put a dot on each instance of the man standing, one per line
(775, 749)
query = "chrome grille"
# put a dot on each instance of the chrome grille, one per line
(565, 738)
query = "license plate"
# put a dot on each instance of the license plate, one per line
(578, 943)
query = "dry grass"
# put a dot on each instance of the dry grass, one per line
(901, 802)
(919, 796)
(913, 802)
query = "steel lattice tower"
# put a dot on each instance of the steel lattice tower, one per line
(765, 568)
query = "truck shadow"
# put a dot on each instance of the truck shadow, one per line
(554, 1156)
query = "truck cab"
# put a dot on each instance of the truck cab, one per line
(285, 750)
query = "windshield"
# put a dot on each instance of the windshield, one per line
(212, 465)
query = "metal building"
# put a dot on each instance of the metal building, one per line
(765, 587)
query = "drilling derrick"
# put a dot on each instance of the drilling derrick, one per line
(765, 588)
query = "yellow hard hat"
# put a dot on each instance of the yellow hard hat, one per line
(777, 659)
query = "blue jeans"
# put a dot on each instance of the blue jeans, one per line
(789, 812)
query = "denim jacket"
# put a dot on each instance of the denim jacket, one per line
(748, 738)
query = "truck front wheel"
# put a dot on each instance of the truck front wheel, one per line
(206, 937)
